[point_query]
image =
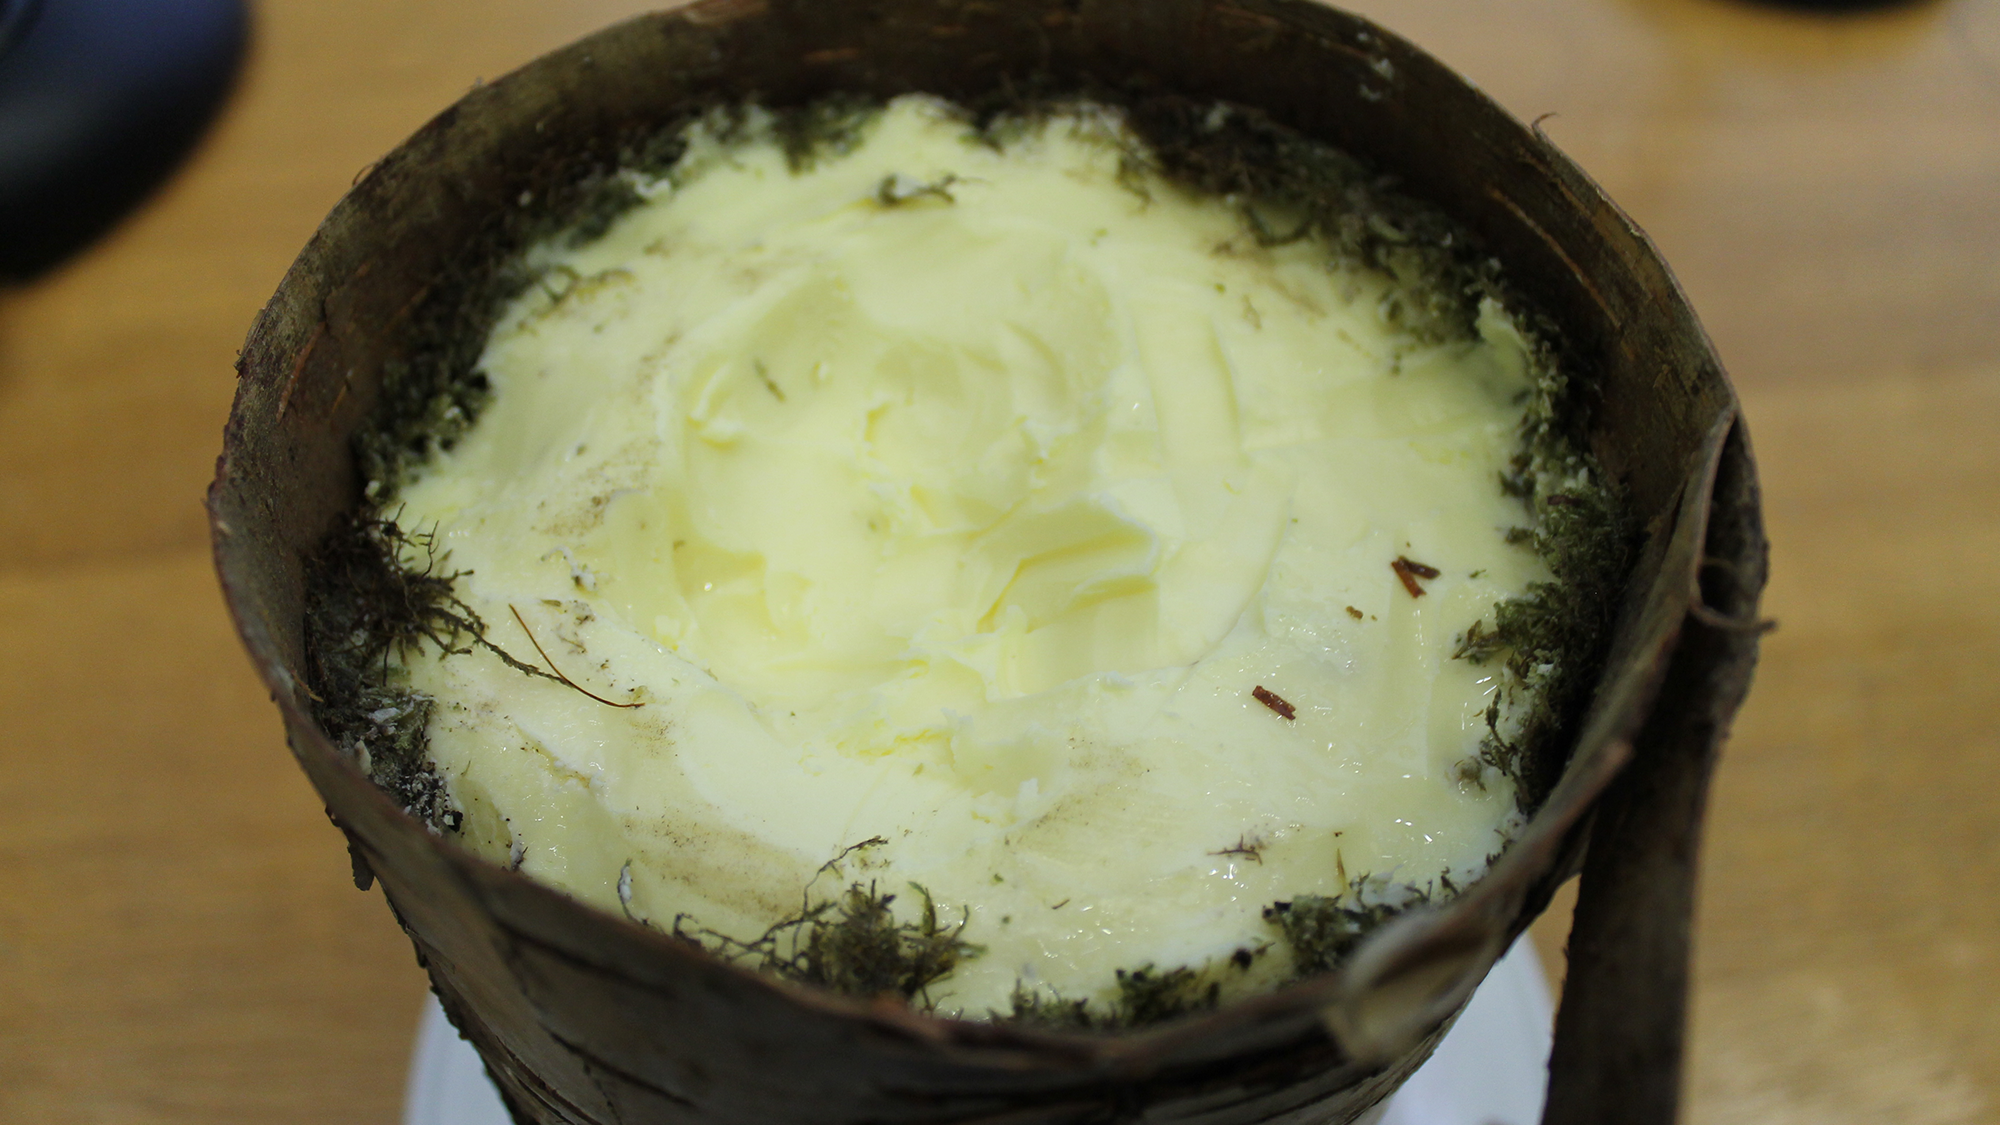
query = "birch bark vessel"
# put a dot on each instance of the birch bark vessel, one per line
(584, 1018)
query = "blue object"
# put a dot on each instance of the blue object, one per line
(99, 101)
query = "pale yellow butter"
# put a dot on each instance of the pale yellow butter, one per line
(969, 518)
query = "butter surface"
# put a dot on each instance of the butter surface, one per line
(959, 496)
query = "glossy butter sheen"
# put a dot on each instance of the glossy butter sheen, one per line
(961, 496)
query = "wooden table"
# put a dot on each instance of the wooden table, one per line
(179, 941)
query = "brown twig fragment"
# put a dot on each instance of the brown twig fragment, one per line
(557, 672)
(1410, 571)
(1274, 701)
(1247, 846)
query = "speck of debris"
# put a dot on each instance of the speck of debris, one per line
(1274, 701)
(1247, 846)
(1355, 613)
(1409, 571)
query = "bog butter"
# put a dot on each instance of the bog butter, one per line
(961, 496)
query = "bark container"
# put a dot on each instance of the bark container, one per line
(586, 1019)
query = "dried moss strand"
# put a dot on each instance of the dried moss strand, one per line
(367, 607)
(554, 672)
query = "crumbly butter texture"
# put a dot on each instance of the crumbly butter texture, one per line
(960, 495)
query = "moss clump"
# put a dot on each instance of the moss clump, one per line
(831, 126)
(605, 197)
(1551, 639)
(1046, 1009)
(364, 609)
(1142, 997)
(855, 945)
(605, 206)
(1147, 995)
(422, 412)
(852, 943)
(369, 606)
(1321, 931)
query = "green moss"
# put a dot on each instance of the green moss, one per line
(1046, 1009)
(369, 607)
(830, 126)
(856, 945)
(422, 412)
(1551, 640)
(852, 942)
(1322, 931)
(1148, 995)
(1139, 997)
(603, 207)
(606, 196)
(365, 609)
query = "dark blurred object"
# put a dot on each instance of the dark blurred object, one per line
(1835, 6)
(99, 101)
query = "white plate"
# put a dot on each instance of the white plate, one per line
(1490, 1070)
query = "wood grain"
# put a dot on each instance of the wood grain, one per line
(179, 941)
